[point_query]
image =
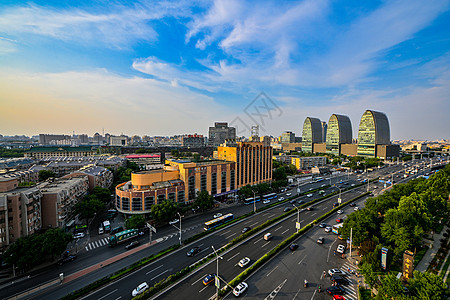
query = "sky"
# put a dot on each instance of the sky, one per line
(176, 67)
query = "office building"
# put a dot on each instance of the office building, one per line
(46, 139)
(193, 141)
(253, 161)
(219, 133)
(312, 133)
(287, 137)
(324, 131)
(339, 132)
(373, 130)
(118, 141)
(306, 163)
(97, 176)
(43, 152)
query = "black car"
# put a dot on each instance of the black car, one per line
(132, 245)
(300, 202)
(287, 209)
(246, 229)
(292, 201)
(322, 225)
(293, 247)
(338, 279)
(335, 290)
(352, 204)
(194, 251)
(67, 259)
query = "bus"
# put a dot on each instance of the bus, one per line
(270, 196)
(249, 201)
(218, 221)
(122, 236)
(337, 228)
(318, 179)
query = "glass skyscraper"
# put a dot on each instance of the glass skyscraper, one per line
(373, 130)
(339, 132)
(312, 133)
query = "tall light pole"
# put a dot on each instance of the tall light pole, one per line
(298, 217)
(217, 272)
(298, 188)
(339, 198)
(179, 215)
(254, 202)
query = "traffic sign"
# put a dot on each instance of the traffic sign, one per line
(151, 228)
(217, 282)
(297, 225)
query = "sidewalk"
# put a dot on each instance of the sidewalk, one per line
(431, 253)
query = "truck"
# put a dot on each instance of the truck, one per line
(107, 226)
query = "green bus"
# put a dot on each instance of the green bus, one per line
(122, 236)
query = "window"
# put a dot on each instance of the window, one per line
(191, 187)
(232, 180)
(148, 202)
(223, 187)
(171, 196)
(180, 196)
(136, 204)
(213, 183)
(125, 203)
(203, 182)
(161, 198)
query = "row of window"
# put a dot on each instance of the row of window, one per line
(136, 203)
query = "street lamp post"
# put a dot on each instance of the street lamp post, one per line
(254, 202)
(217, 272)
(179, 215)
(298, 217)
(339, 198)
(298, 188)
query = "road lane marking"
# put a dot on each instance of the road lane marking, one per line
(108, 294)
(233, 256)
(203, 289)
(153, 270)
(265, 244)
(271, 216)
(160, 274)
(257, 240)
(199, 279)
(285, 231)
(275, 291)
(271, 271)
(230, 236)
(226, 232)
(254, 224)
(313, 214)
(302, 260)
(118, 298)
(278, 228)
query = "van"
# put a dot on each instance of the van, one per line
(107, 226)
(101, 230)
(267, 236)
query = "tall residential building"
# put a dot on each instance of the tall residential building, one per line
(373, 130)
(312, 133)
(253, 161)
(219, 133)
(118, 141)
(45, 139)
(193, 140)
(288, 137)
(339, 132)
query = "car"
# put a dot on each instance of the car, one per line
(340, 211)
(338, 297)
(356, 208)
(320, 240)
(174, 221)
(132, 245)
(67, 259)
(335, 204)
(340, 237)
(140, 289)
(243, 262)
(335, 290)
(339, 220)
(266, 201)
(288, 194)
(328, 229)
(240, 289)
(322, 225)
(292, 201)
(245, 229)
(286, 209)
(334, 271)
(293, 247)
(209, 279)
(338, 279)
(309, 195)
(323, 185)
(79, 235)
(281, 199)
(309, 208)
(352, 204)
(194, 251)
(341, 249)
(101, 230)
(300, 202)
(352, 184)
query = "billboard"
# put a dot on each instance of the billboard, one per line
(384, 252)
(408, 264)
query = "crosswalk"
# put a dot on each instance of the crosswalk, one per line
(351, 292)
(96, 244)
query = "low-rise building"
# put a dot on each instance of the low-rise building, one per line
(308, 162)
(62, 151)
(97, 176)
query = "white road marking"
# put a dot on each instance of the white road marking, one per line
(271, 271)
(278, 228)
(265, 244)
(199, 279)
(302, 260)
(233, 256)
(258, 240)
(254, 224)
(86, 248)
(275, 291)
(226, 232)
(160, 274)
(203, 289)
(153, 270)
(313, 214)
(285, 231)
(108, 294)
(228, 237)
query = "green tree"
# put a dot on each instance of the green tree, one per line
(88, 207)
(55, 241)
(135, 222)
(426, 286)
(246, 191)
(164, 212)
(102, 194)
(336, 161)
(45, 174)
(279, 174)
(204, 200)
(26, 252)
(391, 288)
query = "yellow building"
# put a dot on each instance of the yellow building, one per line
(253, 161)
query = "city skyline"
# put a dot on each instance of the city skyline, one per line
(164, 68)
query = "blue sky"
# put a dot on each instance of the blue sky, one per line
(175, 67)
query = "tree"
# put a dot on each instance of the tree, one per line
(164, 212)
(135, 222)
(25, 252)
(55, 241)
(204, 200)
(246, 191)
(88, 207)
(45, 174)
(279, 174)
(102, 194)
(391, 288)
(427, 286)
(336, 161)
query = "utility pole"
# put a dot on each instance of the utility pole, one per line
(180, 226)
(254, 202)
(351, 241)
(217, 282)
(298, 217)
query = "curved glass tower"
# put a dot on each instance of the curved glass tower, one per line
(339, 132)
(312, 133)
(373, 130)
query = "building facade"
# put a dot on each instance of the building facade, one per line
(253, 161)
(306, 163)
(97, 176)
(219, 133)
(373, 130)
(193, 140)
(339, 132)
(43, 152)
(287, 137)
(311, 134)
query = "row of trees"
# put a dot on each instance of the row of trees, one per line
(398, 220)
(93, 203)
(11, 152)
(29, 251)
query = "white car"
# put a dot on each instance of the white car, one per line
(309, 195)
(217, 215)
(140, 289)
(243, 262)
(173, 222)
(356, 208)
(79, 235)
(288, 194)
(340, 212)
(335, 271)
(240, 289)
(328, 229)
(281, 199)
(341, 249)
(266, 201)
